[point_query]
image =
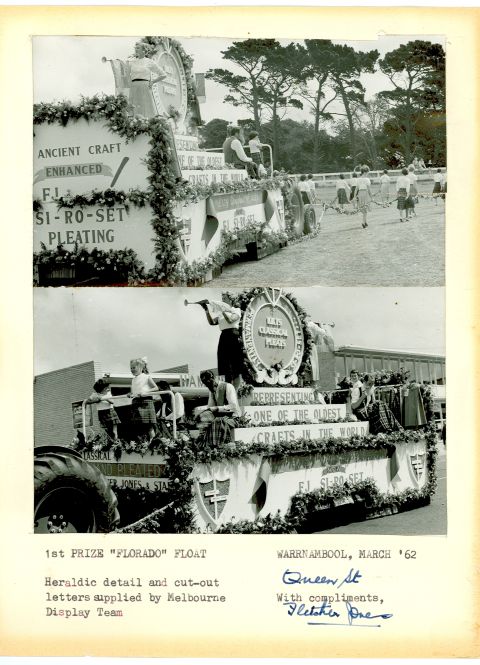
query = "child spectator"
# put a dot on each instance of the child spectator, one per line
(311, 185)
(255, 148)
(385, 187)
(108, 417)
(304, 189)
(364, 194)
(413, 192)
(403, 188)
(437, 184)
(143, 411)
(343, 191)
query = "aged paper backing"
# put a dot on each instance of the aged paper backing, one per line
(434, 598)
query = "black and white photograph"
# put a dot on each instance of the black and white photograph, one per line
(182, 162)
(253, 411)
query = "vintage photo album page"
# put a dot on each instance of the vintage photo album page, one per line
(233, 280)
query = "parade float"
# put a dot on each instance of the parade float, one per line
(123, 193)
(295, 461)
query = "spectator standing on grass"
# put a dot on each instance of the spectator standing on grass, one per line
(385, 187)
(413, 191)
(343, 191)
(311, 185)
(364, 194)
(304, 188)
(437, 184)
(353, 188)
(403, 188)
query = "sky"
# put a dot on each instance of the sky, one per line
(113, 325)
(67, 67)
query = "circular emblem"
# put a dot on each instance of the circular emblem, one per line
(273, 338)
(170, 93)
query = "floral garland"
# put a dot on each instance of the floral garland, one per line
(118, 265)
(305, 506)
(191, 193)
(184, 453)
(107, 198)
(111, 108)
(159, 162)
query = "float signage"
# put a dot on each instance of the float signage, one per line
(273, 338)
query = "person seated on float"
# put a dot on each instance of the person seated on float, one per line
(355, 391)
(222, 398)
(234, 153)
(165, 413)
(215, 419)
(379, 415)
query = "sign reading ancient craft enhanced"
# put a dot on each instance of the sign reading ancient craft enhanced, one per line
(286, 433)
(131, 470)
(291, 413)
(83, 156)
(273, 338)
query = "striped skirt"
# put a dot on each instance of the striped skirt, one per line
(342, 196)
(108, 417)
(143, 411)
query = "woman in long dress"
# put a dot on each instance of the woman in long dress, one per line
(144, 72)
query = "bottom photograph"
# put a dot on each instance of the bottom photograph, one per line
(262, 411)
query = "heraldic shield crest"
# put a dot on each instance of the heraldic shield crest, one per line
(417, 465)
(213, 495)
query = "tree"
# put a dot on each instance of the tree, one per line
(284, 68)
(317, 74)
(417, 72)
(369, 120)
(345, 66)
(213, 134)
(245, 90)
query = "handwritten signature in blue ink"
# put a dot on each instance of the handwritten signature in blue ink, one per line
(295, 577)
(326, 610)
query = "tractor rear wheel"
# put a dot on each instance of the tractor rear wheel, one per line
(72, 496)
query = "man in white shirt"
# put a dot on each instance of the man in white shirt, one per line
(234, 153)
(222, 400)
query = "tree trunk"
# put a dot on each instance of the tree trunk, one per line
(275, 128)
(256, 110)
(351, 128)
(316, 130)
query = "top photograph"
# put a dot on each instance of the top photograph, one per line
(166, 161)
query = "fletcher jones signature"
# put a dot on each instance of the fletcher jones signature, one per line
(350, 615)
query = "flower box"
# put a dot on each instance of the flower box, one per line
(258, 250)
